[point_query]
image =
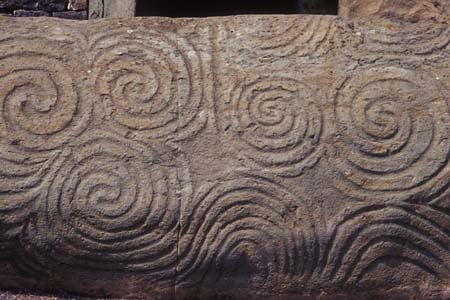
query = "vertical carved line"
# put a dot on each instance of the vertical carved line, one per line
(213, 39)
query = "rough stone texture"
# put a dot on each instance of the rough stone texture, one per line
(211, 159)
(18, 4)
(73, 9)
(74, 15)
(78, 4)
(30, 13)
(413, 10)
(111, 8)
(46, 5)
(29, 296)
(52, 5)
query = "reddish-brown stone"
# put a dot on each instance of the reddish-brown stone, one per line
(250, 157)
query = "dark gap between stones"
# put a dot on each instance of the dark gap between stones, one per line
(198, 8)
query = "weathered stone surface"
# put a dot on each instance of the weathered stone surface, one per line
(413, 10)
(52, 5)
(211, 159)
(112, 8)
(78, 4)
(30, 13)
(74, 15)
(46, 5)
(15, 4)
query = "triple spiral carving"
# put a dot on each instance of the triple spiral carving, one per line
(42, 108)
(113, 198)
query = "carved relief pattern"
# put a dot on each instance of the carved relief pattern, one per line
(42, 107)
(152, 79)
(109, 211)
(393, 128)
(113, 201)
(278, 123)
(246, 221)
(324, 182)
(305, 36)
(42, 103)
(369, 236)
(426, 39)
(275, 41)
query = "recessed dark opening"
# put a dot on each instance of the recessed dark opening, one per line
(198, 8)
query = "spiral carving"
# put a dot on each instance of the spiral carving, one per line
(113, 204)
(245, 230)
(410, 235)
(41, 104)
(305, 36)
(153, 79)
(396, 39)
(279, 125)
(41, 108)
(392, 138)
(21, 177)
(428, 37)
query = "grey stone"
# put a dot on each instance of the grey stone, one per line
(112, 8)
(45, 5)
(52, 5)
(75, 15)
(18, 4)
(78, 4)
(30, 13)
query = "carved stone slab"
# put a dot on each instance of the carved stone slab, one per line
(226, 158)
(414, 10)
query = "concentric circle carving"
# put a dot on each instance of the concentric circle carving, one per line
(289, 36)
(42, 106)
(392, 138)
(114, 206)
(246, 231)
(278, 123)
(153, 80)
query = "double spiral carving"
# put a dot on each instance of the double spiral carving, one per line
(392, 139)
(153, 81)
(279, 124)
(113, 204)
(42, 107)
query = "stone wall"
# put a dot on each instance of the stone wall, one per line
(68, 9)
